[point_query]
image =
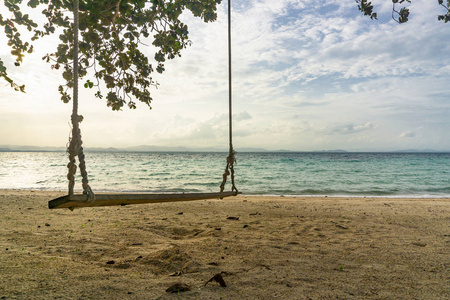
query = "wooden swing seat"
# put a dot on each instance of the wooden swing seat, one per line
(80, 200)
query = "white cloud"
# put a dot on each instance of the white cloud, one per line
(350, 128)
(407, 134)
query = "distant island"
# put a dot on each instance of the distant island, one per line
(153, 148)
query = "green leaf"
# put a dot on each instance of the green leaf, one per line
(33, 3)
(89, 84)
(2, 67)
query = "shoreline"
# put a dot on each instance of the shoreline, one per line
(264, 247)
(64, 192)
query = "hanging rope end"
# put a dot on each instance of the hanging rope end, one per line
(90, 195)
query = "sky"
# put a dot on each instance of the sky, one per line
(307, 75)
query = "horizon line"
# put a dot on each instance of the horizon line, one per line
(154, 148)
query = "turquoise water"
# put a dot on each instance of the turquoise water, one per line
(339, 174)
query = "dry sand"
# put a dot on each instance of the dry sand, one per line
(279, 248)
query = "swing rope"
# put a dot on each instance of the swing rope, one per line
(75, 148)
(231, 159)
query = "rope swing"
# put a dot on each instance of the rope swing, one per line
(231, 159)
(75, 149)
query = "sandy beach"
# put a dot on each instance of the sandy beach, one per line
(262, 247)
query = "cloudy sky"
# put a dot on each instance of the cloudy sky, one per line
(307, 75)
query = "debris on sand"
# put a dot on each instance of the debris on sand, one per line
(217, 278)
(178, 287)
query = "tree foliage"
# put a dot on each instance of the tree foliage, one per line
(367, 8)
(111, 38)
(403, 14)
(446, 17)
(112, 34)
(399, 15)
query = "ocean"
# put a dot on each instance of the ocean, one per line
(280, 173)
